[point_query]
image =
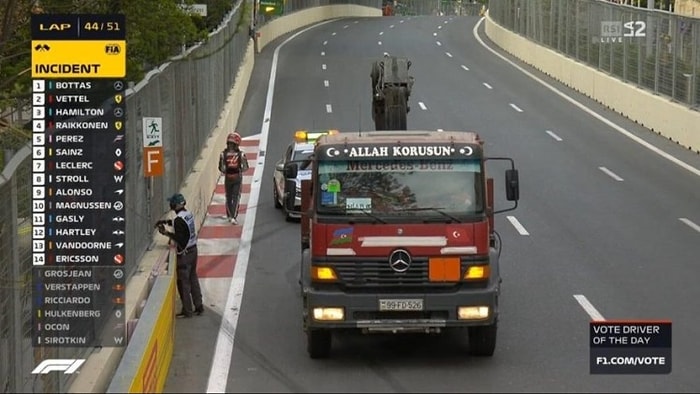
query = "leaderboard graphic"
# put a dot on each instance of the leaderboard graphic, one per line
(78, 180)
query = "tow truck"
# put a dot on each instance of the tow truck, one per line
(391, 89)
(397, 236)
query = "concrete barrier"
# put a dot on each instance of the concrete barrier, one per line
(280, 26)
(671, 120)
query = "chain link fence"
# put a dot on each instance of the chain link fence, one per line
(436, 7)
(188, 93)
(655, 50)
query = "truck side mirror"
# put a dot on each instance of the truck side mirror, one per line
(290, 170)
(512, 185)
(290, 191)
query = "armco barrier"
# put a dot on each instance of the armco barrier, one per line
(298, 19)
(673, 121)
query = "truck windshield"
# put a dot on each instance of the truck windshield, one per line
(400, 187)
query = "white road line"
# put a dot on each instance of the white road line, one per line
(464, 67)
(439, 27)
(611, 174)
(223, 350)
(690, 224)
(381, 33)
(355, 22)
(515, 107)
(519, 227)
(391, 27)
(323, 66)
(439, 43)
(588, 307)
(345, 27)
(334, 33)
(587, 110)
(325, 42)
(440, 130)
(329, 109)
(379, 42)
(487, 86)
(551, 134)
(445, 22)
(401, 21)
(422, 106)
(448, 54)
(326, 83)
(323, 53)
(435, 34)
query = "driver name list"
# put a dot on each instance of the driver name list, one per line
(78, 180)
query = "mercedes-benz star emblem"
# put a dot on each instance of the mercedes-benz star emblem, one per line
(400, 260)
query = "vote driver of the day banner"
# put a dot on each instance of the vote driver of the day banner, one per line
(630, 347)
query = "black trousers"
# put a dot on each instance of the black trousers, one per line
(232, 186)
(188, 282)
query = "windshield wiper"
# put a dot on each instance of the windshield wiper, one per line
(433, 209)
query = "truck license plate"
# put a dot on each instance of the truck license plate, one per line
(412, 304)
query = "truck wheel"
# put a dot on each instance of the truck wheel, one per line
(482, 340)
(318, 343)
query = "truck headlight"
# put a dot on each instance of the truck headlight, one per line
(473, 312)
(335, 313)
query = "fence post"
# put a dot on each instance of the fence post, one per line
(15, 281)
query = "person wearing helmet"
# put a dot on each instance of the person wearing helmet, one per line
(185, 238)
(232, 164)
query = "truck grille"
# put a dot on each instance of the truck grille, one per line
(378, 273)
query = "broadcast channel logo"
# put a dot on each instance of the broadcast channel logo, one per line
(615, 31)
(68, 366)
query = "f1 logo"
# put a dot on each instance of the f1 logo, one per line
(68, 366)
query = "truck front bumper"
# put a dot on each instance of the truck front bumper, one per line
(439, 311)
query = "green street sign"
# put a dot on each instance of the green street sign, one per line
(271, 7)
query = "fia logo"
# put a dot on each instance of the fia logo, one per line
(113, 49)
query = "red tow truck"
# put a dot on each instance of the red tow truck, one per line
(397, 236)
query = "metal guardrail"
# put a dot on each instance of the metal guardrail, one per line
(655, 50)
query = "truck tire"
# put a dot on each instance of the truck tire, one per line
(318, 343)
(482, 340)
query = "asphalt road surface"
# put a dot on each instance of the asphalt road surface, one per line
(606, 227)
